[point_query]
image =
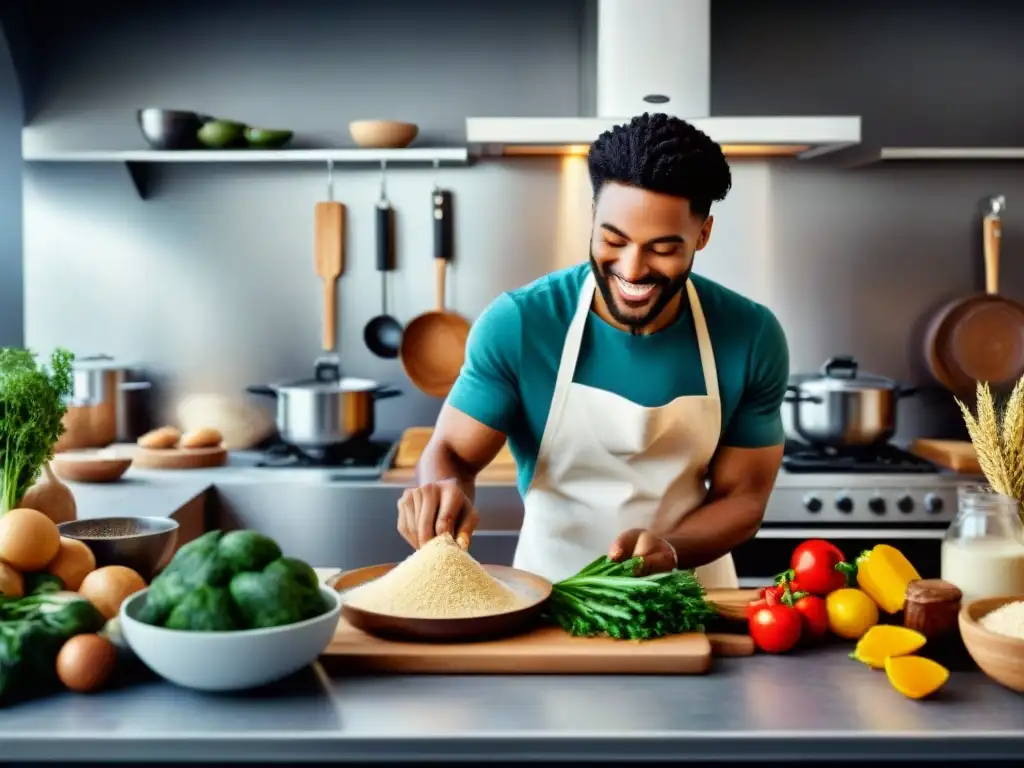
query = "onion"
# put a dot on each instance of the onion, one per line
(109, 586)
(29, 540)
(11, 583)
(74, 561)
(52, 497)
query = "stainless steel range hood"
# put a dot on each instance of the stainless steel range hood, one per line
(655, 55)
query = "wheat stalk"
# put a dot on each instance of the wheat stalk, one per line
(1012, 440)
(999, 442)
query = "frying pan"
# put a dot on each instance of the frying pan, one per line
(433, 345)
(979, 337)
(383, 334)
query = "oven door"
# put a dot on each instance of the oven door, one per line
(759, 560)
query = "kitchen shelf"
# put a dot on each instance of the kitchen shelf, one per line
(139, 162)
(863, 156)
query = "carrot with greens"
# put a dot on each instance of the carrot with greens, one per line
(32, 408)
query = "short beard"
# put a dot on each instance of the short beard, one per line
(669, 290)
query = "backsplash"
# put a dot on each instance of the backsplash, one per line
(211, 285)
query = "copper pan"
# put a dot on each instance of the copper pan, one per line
(433, 345)
(979, 337)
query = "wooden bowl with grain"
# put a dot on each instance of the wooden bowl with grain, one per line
(999, 656)
(533, 589)
(90, 466)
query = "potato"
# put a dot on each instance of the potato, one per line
(11, 583)
(162, 438)
(205, 437)
(29, 540)
(74, 561)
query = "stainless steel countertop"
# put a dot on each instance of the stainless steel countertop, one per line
(817, 705)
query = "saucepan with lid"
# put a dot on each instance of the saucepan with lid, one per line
(841, 407)
(326, 410)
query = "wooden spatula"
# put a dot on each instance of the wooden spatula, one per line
(328, 249)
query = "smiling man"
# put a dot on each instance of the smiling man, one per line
(642, 403)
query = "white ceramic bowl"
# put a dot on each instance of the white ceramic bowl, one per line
(229, 661)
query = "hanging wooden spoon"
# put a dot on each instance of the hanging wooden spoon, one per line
(328, 249)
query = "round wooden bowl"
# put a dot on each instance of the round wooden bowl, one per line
(90, 466)
(534, 588)
(1000, 657)
(383, 134)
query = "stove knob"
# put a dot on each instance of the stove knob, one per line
(812, 503)
(905, 504)
(844, 504)
(933, 503)
(877, 505)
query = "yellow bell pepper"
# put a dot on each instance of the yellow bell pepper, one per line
(884, 573)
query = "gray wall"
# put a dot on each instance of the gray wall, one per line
(211, 284)
(11, 118)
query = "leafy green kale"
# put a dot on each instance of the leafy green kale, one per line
(247, 550)
(204, 609)
(32, 632)
(285, 592)
(235, 580)
(198, 563)
(32, 408)
(609, 598)
(42, 583)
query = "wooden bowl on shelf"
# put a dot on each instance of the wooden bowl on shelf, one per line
(999, 656)
(90, 466)
(383, 134)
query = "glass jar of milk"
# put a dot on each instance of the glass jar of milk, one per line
(983, 550)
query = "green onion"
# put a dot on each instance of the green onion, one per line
(609, 598)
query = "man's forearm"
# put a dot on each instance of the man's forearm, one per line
(439, 462)
(716, 529)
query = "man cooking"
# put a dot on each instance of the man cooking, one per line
(641, 402)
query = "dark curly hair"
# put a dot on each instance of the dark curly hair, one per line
(662, 154)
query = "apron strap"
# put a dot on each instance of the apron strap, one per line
(707, 355)
(567, 365)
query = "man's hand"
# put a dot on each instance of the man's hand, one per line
(658, 554)
(434, 509)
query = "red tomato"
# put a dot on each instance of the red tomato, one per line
(814, 567)
(775, 628)
(814, 616)
(766, 596)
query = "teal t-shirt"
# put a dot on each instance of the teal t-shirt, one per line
(515, 346)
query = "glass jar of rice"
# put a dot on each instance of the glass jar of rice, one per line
(983, 549)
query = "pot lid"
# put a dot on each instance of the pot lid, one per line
(346, 384)
(842, 374)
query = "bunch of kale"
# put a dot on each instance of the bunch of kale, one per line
(33, 629)
(229, 581)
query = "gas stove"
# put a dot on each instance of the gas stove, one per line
(870, 487)
(356, 460)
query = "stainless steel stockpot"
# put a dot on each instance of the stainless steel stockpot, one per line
(840, 407)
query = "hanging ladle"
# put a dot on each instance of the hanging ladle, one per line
(383, 333)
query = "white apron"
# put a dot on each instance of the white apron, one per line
(607, 464)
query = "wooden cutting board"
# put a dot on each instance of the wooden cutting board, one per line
(501, 471)
(957, 455)
(545, 650)
(176, 458)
